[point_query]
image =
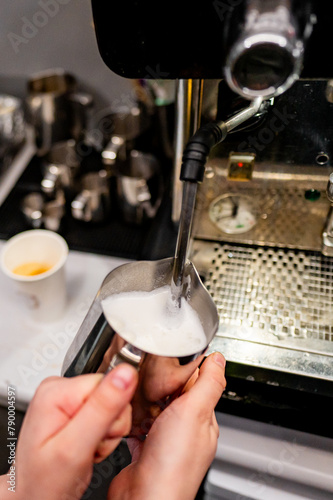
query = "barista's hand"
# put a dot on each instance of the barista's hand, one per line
(172, 461)
(69, 425)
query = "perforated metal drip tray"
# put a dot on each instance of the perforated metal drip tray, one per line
(275, 306)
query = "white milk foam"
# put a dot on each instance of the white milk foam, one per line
(142, 319)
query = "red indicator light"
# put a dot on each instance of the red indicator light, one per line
(240, 164)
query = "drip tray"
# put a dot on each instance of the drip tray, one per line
(275, 306)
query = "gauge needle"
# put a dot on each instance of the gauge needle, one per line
(235, 207)
(227, 216)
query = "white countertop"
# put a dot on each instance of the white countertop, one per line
(30, 351)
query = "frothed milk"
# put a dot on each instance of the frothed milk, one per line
(142, 319)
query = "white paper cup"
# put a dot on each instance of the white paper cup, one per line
(43, 294)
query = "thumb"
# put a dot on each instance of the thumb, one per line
(210, 384)
(101, 409)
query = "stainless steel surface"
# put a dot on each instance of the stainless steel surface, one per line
(196, 104)
(12, 126)
(49, 107)
(54, 211)
(56, 111)
(40, 212)
(329, 91)
(81, 105)
(60, 167)
(275, 306)
(17, 164)
(244, 114)
(160, 376)
(327, 247)
(184, 231)
(51, 180)
(126, 121)
(121, 128)
(92, 204)
(114, 150)
(266, 59)
(285, 217)
(188, 115)
(139, 187)
(32, 208)
(127, 354)
(64, 153)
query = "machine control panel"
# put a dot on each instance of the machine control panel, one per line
(240, 166)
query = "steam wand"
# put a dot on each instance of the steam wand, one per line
(192, 172)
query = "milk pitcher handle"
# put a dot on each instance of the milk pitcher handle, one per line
(127, 354)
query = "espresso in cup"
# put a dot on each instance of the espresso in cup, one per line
(31, 268)
(34, 263)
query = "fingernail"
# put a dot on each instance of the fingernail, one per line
(219, 359)
(122, 376)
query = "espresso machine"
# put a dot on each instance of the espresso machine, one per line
(252, 166)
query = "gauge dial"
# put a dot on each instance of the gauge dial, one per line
(233, 213)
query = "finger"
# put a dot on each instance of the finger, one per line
(215, 424)
(105, 448)
(191, 381)
(120, 428)
(122, 425)
(135, 447)
(56, 400)
(101, 409)
(210, 384)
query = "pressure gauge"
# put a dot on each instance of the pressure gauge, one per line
(233, 213)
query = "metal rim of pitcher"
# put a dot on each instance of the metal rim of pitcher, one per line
(41, 83)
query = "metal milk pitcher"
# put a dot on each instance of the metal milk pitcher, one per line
(97, 347)
(56, 109)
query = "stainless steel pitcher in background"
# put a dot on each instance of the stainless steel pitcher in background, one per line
(121, 127)
(12, 125)
(56, 110)
(139, 187)
(92, 204)
(60, 167)
(97, 347)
